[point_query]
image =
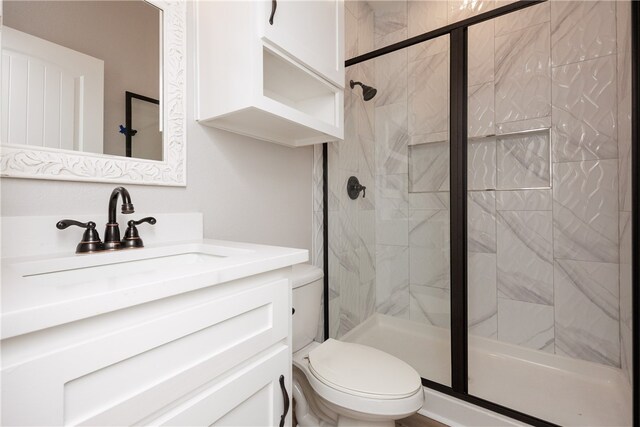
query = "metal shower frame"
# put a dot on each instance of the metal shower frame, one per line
(458, 109)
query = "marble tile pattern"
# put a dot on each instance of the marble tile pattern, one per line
(365, 25)
(623, 62)
(626, 286)
(526, 324)
(481, 56)
(482, 168)
(524, 200)
(523, 161)
(481, 110)
(334, 289)
(333, 162)
(463, 9)
(623, 10)
(525, 256)
(483, 299)
(429, 250)
(587, 311)
(392, 210)
(582, 30)
(523, 74)
(585, 210)
(522, 19)
(584, 110)
(428, 104)
(349, 291)
(391, 78)
(352, 233)
(390, 17)
(391, 139)
(429, 201)
(481, 219)
(349, 153)
(392, 280)
(549, 242)
(430, 305)
(424, 16)
(429, 167)
(365, 116)
(429, 48)
(350, 34)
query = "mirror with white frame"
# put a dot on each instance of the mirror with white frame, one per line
(93, 91)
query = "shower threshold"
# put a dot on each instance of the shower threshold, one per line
(555, 388)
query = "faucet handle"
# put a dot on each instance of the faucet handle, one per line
(131, 237)
(90, 239)
(151, 220)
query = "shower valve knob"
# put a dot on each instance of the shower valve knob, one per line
(354, 188)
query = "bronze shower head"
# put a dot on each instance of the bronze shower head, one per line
(368, 92)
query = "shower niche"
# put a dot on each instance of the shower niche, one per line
(260, 83)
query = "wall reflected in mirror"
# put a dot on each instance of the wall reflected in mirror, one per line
(67, 67)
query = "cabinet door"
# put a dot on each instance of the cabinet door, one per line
(310, 31)
(253, 395)
(159, 355)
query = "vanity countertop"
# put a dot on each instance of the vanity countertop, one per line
(44, 291)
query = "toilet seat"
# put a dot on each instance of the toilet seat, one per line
(363, 371)
(368, 405)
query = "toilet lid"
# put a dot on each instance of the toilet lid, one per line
(362, 370)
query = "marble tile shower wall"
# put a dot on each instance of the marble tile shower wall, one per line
(351, 248)
(623, 21)
(549, 175)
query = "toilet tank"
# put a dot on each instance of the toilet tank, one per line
(307, 286)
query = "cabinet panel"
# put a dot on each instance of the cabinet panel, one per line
(122, 376)
(311, 31)
(282, 83)
(250, 396)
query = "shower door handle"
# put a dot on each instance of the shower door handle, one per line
(274, 6)
(285, 397)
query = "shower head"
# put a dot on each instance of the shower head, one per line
(368, 92)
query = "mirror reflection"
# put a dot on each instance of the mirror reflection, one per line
(82, 75)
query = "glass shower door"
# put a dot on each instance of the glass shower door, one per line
(389, 267)
(547, 139)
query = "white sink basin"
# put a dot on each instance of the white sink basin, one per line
(126, 263)
(131, 267)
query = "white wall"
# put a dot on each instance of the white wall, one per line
(248, 190)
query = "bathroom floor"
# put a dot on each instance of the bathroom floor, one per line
(418, 420)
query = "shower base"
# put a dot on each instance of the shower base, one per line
(555, 388)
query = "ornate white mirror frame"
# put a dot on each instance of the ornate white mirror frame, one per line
(21, 161)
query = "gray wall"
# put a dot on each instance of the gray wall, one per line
(248, 190)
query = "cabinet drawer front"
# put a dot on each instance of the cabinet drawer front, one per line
(122, 377)
(250, 396)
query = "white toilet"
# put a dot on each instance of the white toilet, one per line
(340, 383)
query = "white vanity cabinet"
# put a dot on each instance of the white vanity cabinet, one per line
(279, 80)
(210, 356)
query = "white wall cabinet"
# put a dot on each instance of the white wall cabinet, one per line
(281, 82)
(208, 357)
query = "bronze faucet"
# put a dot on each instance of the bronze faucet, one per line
(112, 230)
(91, 240)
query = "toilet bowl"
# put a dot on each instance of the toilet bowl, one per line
(340, 383)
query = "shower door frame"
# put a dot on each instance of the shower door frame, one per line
(458, 109)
